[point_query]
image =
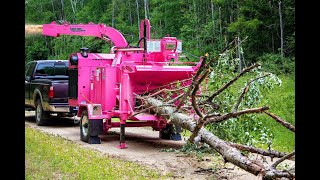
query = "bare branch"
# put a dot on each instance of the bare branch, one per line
(245, 90)
(201, 121)
(228, 47)
(194, 80)
(251, 149)
(217, 119)
(166, 90)
(273, 173)
(175, 99)
(194, 92)
(168, 85)
(275, 164)
(282, 122)
(231, 81)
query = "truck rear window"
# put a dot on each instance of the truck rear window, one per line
(52, 69)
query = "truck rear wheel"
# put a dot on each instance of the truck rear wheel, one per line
(84, 126)
(41, 115)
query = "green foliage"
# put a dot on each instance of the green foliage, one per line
(277, 64)
(247, 129)
(36, 48)
(242, 25)
(282, 103)
(53, 157)
(204, 26)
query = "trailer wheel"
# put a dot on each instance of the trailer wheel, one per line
(165, 133)
(84, 126)
(41, 115)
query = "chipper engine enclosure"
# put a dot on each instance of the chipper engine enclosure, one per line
(104, 86)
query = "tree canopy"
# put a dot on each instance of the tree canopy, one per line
(204, 26)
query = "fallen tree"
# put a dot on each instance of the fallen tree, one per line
(204, 112)
(228, 150)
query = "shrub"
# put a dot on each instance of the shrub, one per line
(276, 64)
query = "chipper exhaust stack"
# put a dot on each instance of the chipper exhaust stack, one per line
(104, 85)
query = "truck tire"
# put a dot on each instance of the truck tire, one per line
(41, 115)
(84, 126)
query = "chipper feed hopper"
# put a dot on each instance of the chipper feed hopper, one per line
(104, 86)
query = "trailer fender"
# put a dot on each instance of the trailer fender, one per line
(95, 124)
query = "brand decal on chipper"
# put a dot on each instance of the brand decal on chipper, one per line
(77, 29)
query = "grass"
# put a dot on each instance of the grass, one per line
(53, 157)
(281, 101)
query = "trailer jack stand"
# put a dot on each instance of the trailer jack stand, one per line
(122, 146)
(122, 138)
(94, 140)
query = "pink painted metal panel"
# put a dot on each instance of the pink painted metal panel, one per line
(160, 75)
(108, 97)
(133, 124)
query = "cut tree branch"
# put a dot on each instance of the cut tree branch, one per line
(175, 99)
(201, 120)
(251, 149)
(275, 164)
(166, 90)
(282, 122)
(194, 80)
(231, 82)
(212, 118)
(194, 93)
(245, 90)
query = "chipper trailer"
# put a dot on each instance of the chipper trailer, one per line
(104, 86)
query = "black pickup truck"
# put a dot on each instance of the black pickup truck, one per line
(46, 89)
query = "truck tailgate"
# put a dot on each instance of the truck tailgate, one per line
(60, 89)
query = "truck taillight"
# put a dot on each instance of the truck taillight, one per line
(51, 93)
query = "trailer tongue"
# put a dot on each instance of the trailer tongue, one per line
(104, 86)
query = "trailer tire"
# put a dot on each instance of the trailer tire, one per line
(165, 133)
(84, 126)
(41, 116)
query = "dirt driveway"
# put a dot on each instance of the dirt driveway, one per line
(144, 146)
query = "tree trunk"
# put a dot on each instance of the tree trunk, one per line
(281, 28)
(239, 53)
(212, 14)
(53, 9)
(137, 3)
(220, 24)
(62, 10)
(145, 9)
(112, 21)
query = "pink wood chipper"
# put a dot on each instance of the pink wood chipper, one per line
(104, 86)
